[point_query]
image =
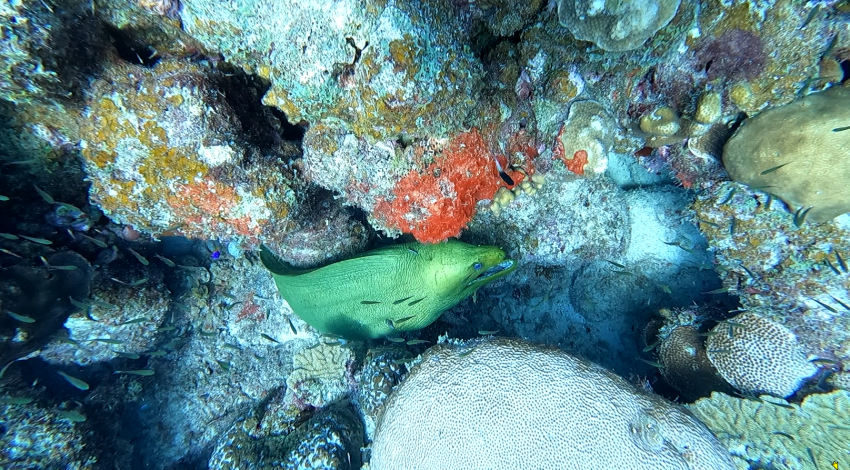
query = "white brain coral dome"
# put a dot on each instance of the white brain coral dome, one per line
(509, 404)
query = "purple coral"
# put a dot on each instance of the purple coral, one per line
(736, 54)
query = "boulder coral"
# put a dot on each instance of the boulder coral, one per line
(490, 403)
(799, 152)
(616, 26)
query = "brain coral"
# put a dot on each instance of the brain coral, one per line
(799, 153)
(616, 25)
(491, 403)
(756, 355)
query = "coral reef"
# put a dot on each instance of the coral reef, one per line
(616, 26)
(228, 346)
(756, 355)
(504, 17)
(45, 53)
(382, 371)
(121, 317)
(517, 393)
(319, 375)
(41, 295)
(163, 150)
(274, 437)
(35, 437)
(774, 434)
(382, 68)
(798, 153)
(433, 200)
(791, 275)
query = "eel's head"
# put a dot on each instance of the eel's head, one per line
(464, 268)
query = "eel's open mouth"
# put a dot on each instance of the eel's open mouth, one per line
(505, 265)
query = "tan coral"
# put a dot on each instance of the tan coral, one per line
(491, 403)
(616, 26)
(799, 153)
(319, 375)
(771, 433)
(756, 355)
(587, 135)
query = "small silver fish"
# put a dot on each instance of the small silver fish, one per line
(4, 198)
(140, 372)
(72, 416)
(20, 318)
(414, 342)
(8, 236)
(127, 355)
(3, 250)
(158, 353)
(47, 198)
(95, 241)
(134, 321)
(80, 384)
(487, 332)
(224, 365)
(62, 268)
(40, 241)
(268, 338)
(167, 261)
(771, 170)
(16, 400)
(139, 257)
(106, 341)
(800, 216)
(396, 339)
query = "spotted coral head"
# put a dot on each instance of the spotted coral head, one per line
(389, 290)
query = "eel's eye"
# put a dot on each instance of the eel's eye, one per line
(476, 266)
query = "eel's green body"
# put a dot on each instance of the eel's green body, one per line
(388, 290)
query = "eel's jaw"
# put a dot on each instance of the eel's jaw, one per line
(492, 273)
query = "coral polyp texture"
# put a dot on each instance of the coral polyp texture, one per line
(771, 433)
(489, 403)
(616, 25)
(164, 150)
(757, 355)
(798, 152)
(383, 68)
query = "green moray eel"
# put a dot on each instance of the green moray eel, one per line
(389, 290)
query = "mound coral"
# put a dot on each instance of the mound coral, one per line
(491, 403)
(616, 26)
(586, 138)
(799, 152)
